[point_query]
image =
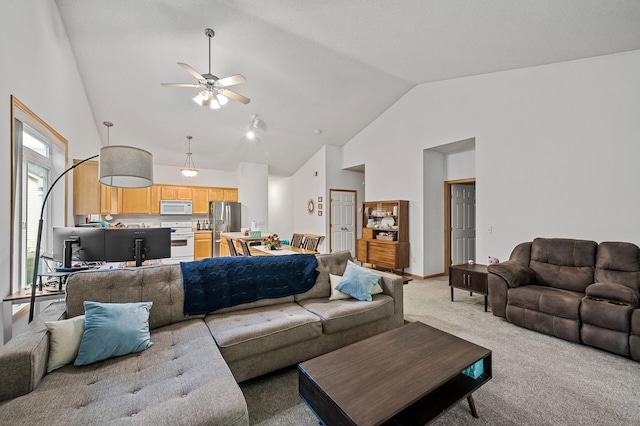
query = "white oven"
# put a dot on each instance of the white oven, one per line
(182, 242)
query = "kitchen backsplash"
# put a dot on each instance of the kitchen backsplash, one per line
(148, 221)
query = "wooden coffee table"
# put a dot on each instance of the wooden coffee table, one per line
(409, 376)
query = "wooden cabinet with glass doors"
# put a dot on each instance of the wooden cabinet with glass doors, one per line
(385, 234)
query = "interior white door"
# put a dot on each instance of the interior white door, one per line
(463, 223)
(343, 221)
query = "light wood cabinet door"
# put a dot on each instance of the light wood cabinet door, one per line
(183, 192)
(86, 188)
(203, 245)
(230, 194)
(168, 192)
(200, 200)
(108, 200)
(216, 194)
(134, 200)
(154, 208)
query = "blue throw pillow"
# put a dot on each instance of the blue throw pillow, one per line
(113, 329)
(358, 282)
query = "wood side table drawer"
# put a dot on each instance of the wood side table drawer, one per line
(472, 278)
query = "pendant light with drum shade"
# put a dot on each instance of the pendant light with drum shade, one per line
(189, 168)
(119, 166)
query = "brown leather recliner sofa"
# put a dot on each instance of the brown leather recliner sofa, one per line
(577, 290)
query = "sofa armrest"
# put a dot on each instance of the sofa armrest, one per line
(513, 273)
(392, 285)
(23, 360)
(614, 292)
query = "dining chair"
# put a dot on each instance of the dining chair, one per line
(232, 246)
(296, 240)
(311, 243)
(245, 248)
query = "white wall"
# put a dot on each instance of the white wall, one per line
(38, 67)
(253, 193)
(281, 206)
(307, 185)
(205, 177)
(556, 150)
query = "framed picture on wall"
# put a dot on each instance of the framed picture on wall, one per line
(319, 199)
(319, 212)
(319, 206)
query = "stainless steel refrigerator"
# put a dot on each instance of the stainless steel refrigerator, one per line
(225, 217)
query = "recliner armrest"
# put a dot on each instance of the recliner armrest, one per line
(615, 292)
(513, 273)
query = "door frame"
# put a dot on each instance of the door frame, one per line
(447, 219)
(355, 216)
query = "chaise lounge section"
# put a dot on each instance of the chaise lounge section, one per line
(190, 373)
(576, 290)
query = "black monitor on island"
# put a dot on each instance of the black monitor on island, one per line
(110, 245)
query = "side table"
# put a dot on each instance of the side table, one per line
(472, 278)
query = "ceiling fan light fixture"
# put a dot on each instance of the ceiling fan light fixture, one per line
(222, 100)
(214, 104)
(189, 168)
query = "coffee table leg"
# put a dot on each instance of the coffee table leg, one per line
(472, 406)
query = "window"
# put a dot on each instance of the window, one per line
(38, 156)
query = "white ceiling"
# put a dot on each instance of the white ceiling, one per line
(333, 65)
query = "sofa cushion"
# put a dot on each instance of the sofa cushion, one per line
(113, 329)
(635, 322)
(339, 315)
(160, 284)
(619, 263)
(549, 300)
(614, 292)
(66, 336)
(332, 263)
(181, 379)
(358, 282)
(563, 263)
(241, 334)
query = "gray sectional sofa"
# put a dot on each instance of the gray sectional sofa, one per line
(190, 374)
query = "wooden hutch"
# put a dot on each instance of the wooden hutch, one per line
(385, 234)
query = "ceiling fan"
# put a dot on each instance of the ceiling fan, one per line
(214, 91)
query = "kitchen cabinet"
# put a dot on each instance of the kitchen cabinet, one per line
(86, 188)
(134, 200)
(385, 234)
(173, 192)
(203, 245)
(230, 194)
(108, 200)
(154, 208)
(200, 200)
(223, 194)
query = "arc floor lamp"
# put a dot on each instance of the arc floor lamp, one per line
(120, 166)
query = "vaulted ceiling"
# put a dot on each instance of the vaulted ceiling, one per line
(331, 65)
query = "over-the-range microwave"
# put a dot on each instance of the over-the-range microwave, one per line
(175, 207)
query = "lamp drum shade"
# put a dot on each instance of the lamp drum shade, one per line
(125, 167)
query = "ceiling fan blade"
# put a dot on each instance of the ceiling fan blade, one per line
(232, 80)
(191, 71)
(233, 95)
(180, 84)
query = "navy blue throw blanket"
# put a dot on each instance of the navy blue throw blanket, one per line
(220, 282)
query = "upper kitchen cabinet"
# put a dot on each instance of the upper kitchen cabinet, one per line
(171, 192)
(155, 200)
(223, 194)
(200, 200)
(134, 200)
(86, 188)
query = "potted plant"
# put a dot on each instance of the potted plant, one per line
(272, 242)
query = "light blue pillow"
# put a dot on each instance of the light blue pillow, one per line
(358, 282)
(113, 329)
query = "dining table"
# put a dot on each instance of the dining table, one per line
(282, 251)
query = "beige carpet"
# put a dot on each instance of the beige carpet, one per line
(537, 379)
